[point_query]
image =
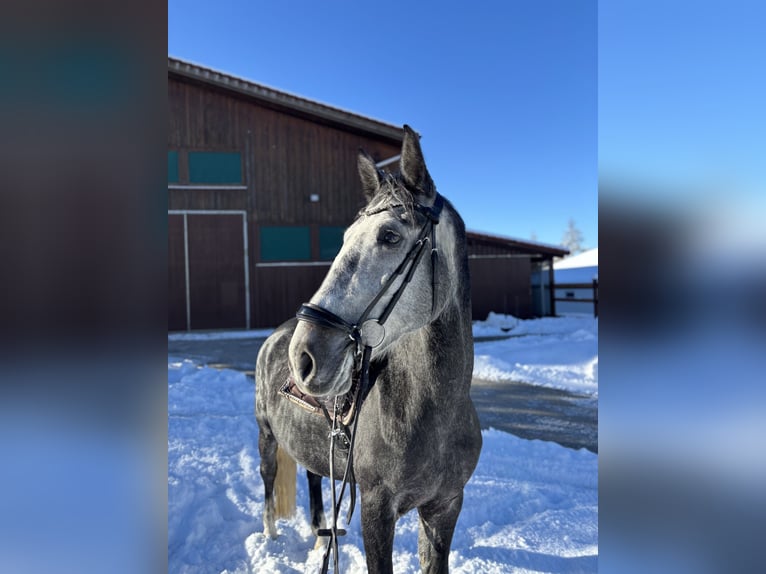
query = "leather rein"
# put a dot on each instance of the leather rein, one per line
(367, 334)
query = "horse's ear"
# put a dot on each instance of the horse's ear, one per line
(368, 173)
(413, 167)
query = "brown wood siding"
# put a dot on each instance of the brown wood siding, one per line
(486, 248)
(176, 274)
(216, 271)
(279, 291)
(212, 199)
(286, 158)
(502, 286)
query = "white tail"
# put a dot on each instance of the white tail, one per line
(284, 485)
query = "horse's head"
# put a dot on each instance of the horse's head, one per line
(378, 255)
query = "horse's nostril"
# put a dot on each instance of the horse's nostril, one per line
(305, 366)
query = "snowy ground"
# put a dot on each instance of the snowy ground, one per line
(530, 506)
(558, 352)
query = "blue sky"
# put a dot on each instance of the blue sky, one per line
(503, 93)
(681, 90)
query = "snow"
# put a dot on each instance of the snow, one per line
(531, 506)
(580, 268)
(557, 352)
(587, 258)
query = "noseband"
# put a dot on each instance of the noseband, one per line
(368, 333)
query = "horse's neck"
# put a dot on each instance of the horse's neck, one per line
(423, 361)
(436, 361)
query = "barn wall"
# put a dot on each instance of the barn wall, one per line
(502, 285)
(280, 290)
(285, 157)
(284, 160)
(486, 248)
(176, 274)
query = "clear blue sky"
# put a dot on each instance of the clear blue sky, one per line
(503, 92)
(682, 97)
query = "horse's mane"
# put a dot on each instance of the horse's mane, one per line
(393, 191)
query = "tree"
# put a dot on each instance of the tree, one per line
(573, 238)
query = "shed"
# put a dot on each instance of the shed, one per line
(577, 283)
(511, 276)
(261, 185)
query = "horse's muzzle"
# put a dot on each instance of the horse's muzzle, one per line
(321, 360)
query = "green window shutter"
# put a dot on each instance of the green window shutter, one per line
(172, 167)
(285, 244)
(330, 241)
(215, 167)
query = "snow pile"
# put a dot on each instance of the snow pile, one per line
(558, 352)
(531, 506)
(497, 325)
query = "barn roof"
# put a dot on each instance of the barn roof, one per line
(517, 245)
(286, 102)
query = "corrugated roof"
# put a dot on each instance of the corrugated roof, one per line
(285, 100)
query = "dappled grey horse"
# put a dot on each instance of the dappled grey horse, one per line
(388, 337)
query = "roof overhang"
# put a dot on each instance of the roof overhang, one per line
(517, 244)
(286, 102)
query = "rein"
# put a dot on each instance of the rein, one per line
(367, 334)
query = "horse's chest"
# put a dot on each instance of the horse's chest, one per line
(396, 457)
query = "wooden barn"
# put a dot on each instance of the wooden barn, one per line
(261, 185)
(511, 276)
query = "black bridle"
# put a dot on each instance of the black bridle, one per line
(364, 332)
(367, 334)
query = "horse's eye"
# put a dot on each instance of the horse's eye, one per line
(391, 237)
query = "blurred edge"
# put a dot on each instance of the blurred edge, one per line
(682, 200)
(83, 406)
(82, 316)
(682, 404)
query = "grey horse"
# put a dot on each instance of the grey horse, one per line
(417, 438)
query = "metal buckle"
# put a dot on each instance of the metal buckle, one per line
(372, 333)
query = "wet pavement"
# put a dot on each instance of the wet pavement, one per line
(527, 411)
(534, 412)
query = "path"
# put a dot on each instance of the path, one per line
(527, 411)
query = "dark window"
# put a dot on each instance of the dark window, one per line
(330, 240)
(285, 244)
(172, 167)
(215, 167)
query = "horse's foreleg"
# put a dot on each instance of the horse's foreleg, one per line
(378, 522)
(316, 505)
(267, 447)
(437, 525)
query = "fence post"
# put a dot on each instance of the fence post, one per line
(595, 297)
